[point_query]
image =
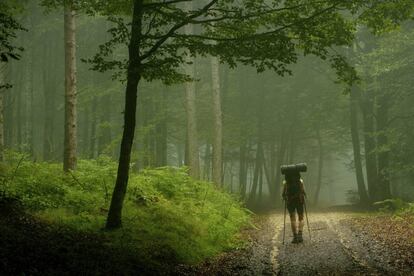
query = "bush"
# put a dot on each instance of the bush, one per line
(166, 213)
(391, 205)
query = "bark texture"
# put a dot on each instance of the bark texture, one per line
(384, 189)
(356, 146)
(367, 107)
(115, 210)
(70, 142)
(2, 91)
(320, 167)
(192, 133)
(218, 124)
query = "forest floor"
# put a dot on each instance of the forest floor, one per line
(342, 243)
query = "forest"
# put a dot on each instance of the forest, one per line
(147, 137)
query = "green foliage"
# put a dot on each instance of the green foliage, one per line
(166, 214)
(267, 36)
(391, 205)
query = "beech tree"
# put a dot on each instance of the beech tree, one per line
(70, 142)
(257, 33)
(218, 123)
(190, 103)
(70, 125)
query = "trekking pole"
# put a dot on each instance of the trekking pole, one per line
(284, 223)
(307, 220)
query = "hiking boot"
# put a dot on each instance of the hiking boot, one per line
(295, 238)
(299, 237)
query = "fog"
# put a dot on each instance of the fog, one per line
(266, 119)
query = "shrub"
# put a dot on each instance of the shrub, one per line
(166, 213)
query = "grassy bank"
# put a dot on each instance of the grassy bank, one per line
(167, 215)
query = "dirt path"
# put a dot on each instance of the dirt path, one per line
(336, 248)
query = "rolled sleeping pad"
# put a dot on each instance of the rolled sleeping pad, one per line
(301, 167)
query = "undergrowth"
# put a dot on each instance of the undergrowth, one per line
(166, 213)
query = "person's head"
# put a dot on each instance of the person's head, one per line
(292, 176)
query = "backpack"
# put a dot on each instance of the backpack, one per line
(293, 190)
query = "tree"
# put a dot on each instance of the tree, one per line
(2, 91)
(353, 110)
(253, 33)
(218, 124)
(190, 103)
(70, 142)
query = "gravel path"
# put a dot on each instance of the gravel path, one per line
(336, 248)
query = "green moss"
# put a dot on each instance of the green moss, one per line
(166, 214)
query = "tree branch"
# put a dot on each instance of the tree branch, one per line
(171, 32)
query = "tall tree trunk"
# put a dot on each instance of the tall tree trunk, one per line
(244, 151)
(148, 124)
(243, 169)
(218, 127)
(161, 131)
(161, 145)
(70, 142)
(18, 116)
(192, 132)
(3, 66)
(86, 131)
(31, 107)
(281, 154)
(256, 174)
(133, 78)
(320, 167)
(93, 125)
(180, 154)
(384, 189)
(49, 87)
(207, 162)
(105, 136)
(356, 146)
(9, 112)
(367, 107)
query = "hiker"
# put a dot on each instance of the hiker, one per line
(294, 195)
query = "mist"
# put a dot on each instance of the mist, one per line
(104, 125)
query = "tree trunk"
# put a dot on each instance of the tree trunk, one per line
(149, 135)
(257, 169)
(9, 112)
(162, 143)
(18, 115)
(49, 98)
(218, 127)
(384, 189)
(244, 150)
(3, 66)
(105, 135)
(320, 168)
(93, 125)
(70, 142)
(367, 107)
(207, 162)
(192, 132)
(243, 170)
(281, 154)
(356, 146)
(115, 210)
